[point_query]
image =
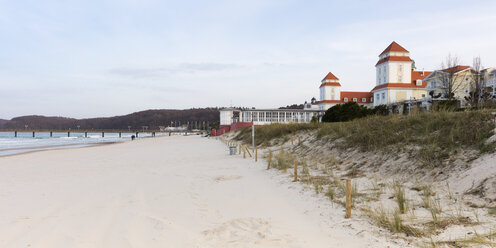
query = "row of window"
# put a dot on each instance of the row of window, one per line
(249, 116)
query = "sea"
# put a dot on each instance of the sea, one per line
(25, 142)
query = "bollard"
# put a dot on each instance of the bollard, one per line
(270, 160)
(348, 198)
(244, 154)
(296, 172)
(256, 154)
(15, 134)
(103, 134)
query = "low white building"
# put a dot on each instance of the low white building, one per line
(230, 116)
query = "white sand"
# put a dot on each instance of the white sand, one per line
(164, 192)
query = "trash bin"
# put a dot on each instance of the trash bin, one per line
(232, 150)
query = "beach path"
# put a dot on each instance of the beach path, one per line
(164, 192)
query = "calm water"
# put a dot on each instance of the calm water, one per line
(24, 142)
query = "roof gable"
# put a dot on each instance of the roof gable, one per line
(330, 76)
(394, 47)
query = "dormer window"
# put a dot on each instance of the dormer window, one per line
(364, 99)
(355, 100)
(346, 99)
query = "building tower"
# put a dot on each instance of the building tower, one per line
(330, 92)
(393, 70)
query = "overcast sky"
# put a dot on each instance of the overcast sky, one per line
(103, 58)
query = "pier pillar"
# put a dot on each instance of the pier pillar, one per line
(68, 134)
(33, 134)
(51, 133)
(86, 134)
(103, 134)
(15, 134)
(136, 134)
(153, 134)
(120, 134)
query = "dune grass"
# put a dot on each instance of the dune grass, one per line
(430, 137)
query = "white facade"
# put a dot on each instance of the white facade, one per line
(462, 84)
(330, 93)
(491, 81)
(226, 116)
(380, 97)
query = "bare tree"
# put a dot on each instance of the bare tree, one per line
(478, 84)
(450, 82)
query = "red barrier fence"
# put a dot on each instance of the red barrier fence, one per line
(228, 128)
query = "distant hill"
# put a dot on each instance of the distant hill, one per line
(151, 118)
(2, 122)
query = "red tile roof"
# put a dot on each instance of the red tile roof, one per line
(350, 95)
(330, 84)
(415, 75)
(358, 95)
(393, 58)
(394, 47)
(330, 76)
(456, 68)
(330, 101)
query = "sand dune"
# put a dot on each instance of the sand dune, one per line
(164, 192)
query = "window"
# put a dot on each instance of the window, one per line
(400, 78)
(355, 100)
(346, 99)
(364, 99)
(383, 96)
(378, 96)
(423, 95)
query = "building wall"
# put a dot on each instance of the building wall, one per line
(400, 72)
(380, 97)
(382, 73)
(330, 93)
(226, 117)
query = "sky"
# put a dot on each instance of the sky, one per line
(102, 58)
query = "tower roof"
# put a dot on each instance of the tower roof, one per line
(394, 47)
(330, 76)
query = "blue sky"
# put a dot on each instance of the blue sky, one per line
(103, 58)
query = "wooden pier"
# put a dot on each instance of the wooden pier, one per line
(101, 132)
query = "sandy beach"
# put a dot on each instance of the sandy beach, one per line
(165, 192)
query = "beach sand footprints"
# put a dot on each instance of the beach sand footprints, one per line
(245, 232)
(227, 178)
